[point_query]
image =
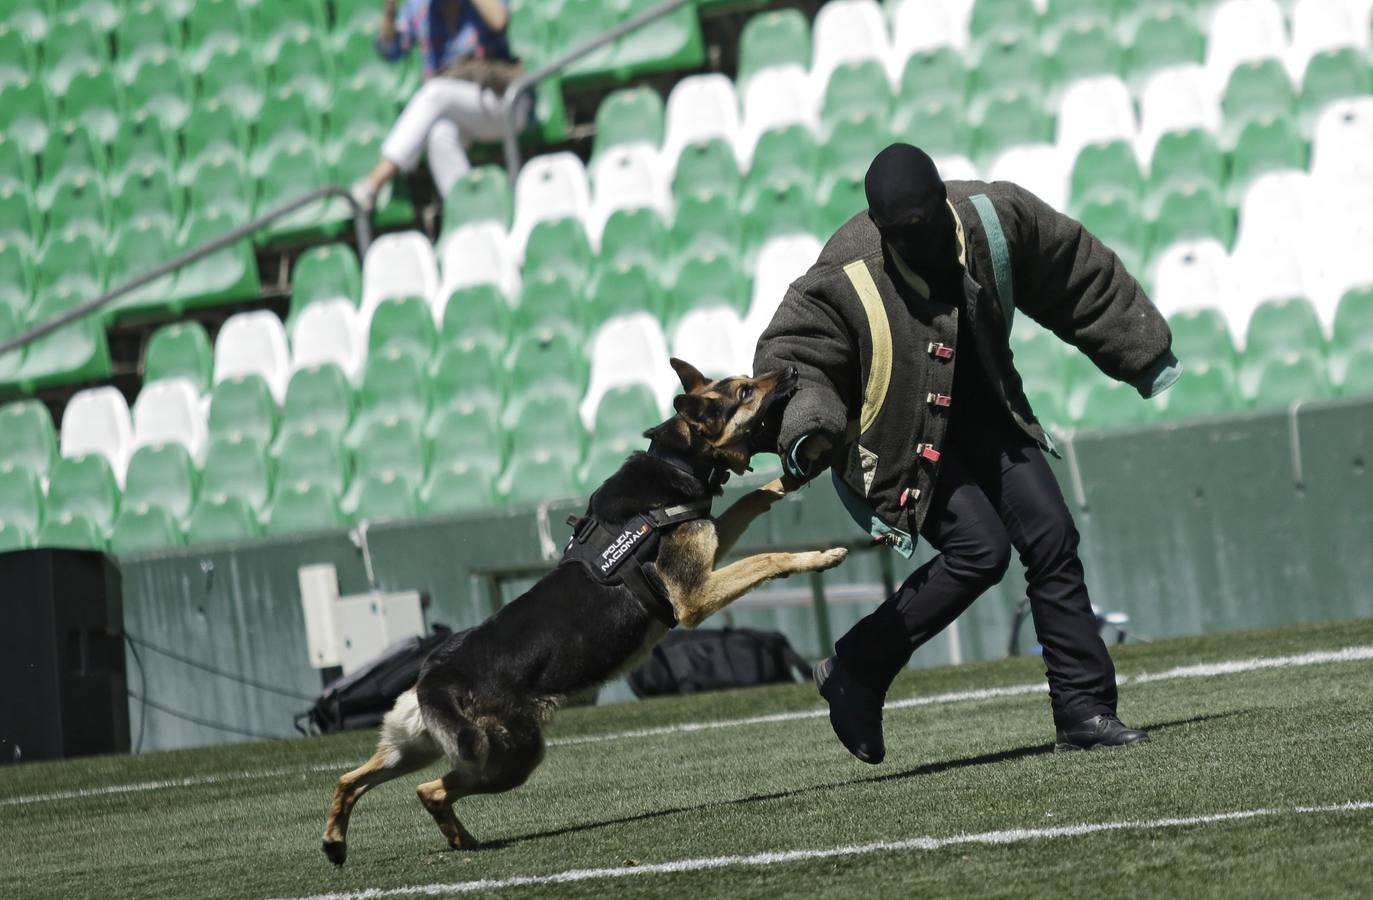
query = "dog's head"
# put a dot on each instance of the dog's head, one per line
(722, 419)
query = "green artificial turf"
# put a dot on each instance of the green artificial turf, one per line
(1272, 739)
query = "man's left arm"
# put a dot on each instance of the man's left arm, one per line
(1074, 285)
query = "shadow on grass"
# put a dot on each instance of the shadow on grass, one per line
(934, 768)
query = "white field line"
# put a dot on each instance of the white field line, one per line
(991, 838)
(1205, 670)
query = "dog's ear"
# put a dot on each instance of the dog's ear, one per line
(694, 409)
(692, 379)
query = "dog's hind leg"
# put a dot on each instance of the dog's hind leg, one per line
(438, 797)
(405, 747)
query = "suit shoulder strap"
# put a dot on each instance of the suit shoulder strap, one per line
(1000, 252)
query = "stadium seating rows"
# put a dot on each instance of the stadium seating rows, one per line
(519, 356)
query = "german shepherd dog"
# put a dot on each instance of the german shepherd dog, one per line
(483, 695)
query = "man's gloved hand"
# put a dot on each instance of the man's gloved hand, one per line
(802, 460)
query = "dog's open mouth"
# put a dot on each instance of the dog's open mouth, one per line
(767, 424)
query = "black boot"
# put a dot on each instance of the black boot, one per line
(1098, 731)
(855, 711)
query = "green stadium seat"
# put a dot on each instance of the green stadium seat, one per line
(361, 102)
(1268, 144)
(670, 42)
(777, 37)
(302, 63)
(25, 113)
(139, 246)
(146, 25)
(1256, 89)
(633, 235)
(14, 536)
(237, 466)
(387, 495)
(211, 25)
(543, 418)
(83, 485)
(303, 507)
(537, 475)
(1116, 220)
(311, 456)
(27, 436)
(631, 115)
(548, 358)
(276, 23)
(624, 413)
(356, 154)
(147, 192)
(78, 201)
(220, 519)
(777, 208)
(1110, 404)
(1353, 325)
(1108, 167)
(622, 287)
(708, 279)
(327, 272)
(1279, 327)
(851, 143)
(404, 323)
(12, 363)
(706, 220)
(604, 459)
(318, 397)
(72, 258)
(1290, 378)
(70, 531)
(74, 353)
(1084, 49)
(161, 88)
(1194, 210)
(144, 528)
(559, 244)
(482, 194)
(179, 350)
(1201, 336)
(1203, 390)
(842, 196)
(1357, 378)
(993, 20)
(1011, 116)
(456, 488)
(390, 445)
(1008, 63)
(580, 21)
(1038, 353)
(938, 75)
(229, 274)
(17, 167)
(70, 151)
(478, 312)
(1165, 36)
(218, 180)
(1183, 158)
(105, 15)
(468, 371)
(232, 75)
(465, 434)
(393, 384)
(790, 153)
(94, 99)
(857, 87)
(1334, 74)
(19, 219)
(16, 276)
(243, 405)
(707, 166)
(74, 44)
(18, 56)
(30, 20)
(293, 167)
(21, 497)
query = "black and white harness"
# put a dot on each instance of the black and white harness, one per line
(619, 554)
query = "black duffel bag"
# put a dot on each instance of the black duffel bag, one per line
(362, 699)
(715, 659)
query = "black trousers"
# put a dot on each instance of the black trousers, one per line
(995, 491)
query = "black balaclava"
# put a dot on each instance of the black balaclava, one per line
(907, 202)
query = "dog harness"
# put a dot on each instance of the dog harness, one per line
(621, 555)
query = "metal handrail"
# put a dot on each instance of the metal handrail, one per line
(361, 226)
(526, 81)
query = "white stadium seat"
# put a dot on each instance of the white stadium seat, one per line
(1190, 275)
(477, 253)
(97, 420)
(956, 168)
(1039, 168)
(328, 331)
(169, 411)
(1243, 30)
(552, 186)
(1095, 110)
(1276, 210)
(919, 25)
(1257, 273)
(254, 343)
(1342, 147)
(776, 97)
(781, 260)
(1175, 99)
(398, 265)
(628, 349)
(700, 108)
(1319, 25)
(628, 176)
(715, 341)
(846, 31)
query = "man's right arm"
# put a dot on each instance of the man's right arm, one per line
(393, 42)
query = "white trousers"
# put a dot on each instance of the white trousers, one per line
(446, 114)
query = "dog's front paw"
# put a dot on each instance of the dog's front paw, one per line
(828, 559)
(336, 850)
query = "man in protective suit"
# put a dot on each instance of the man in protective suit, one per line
(909, 395)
